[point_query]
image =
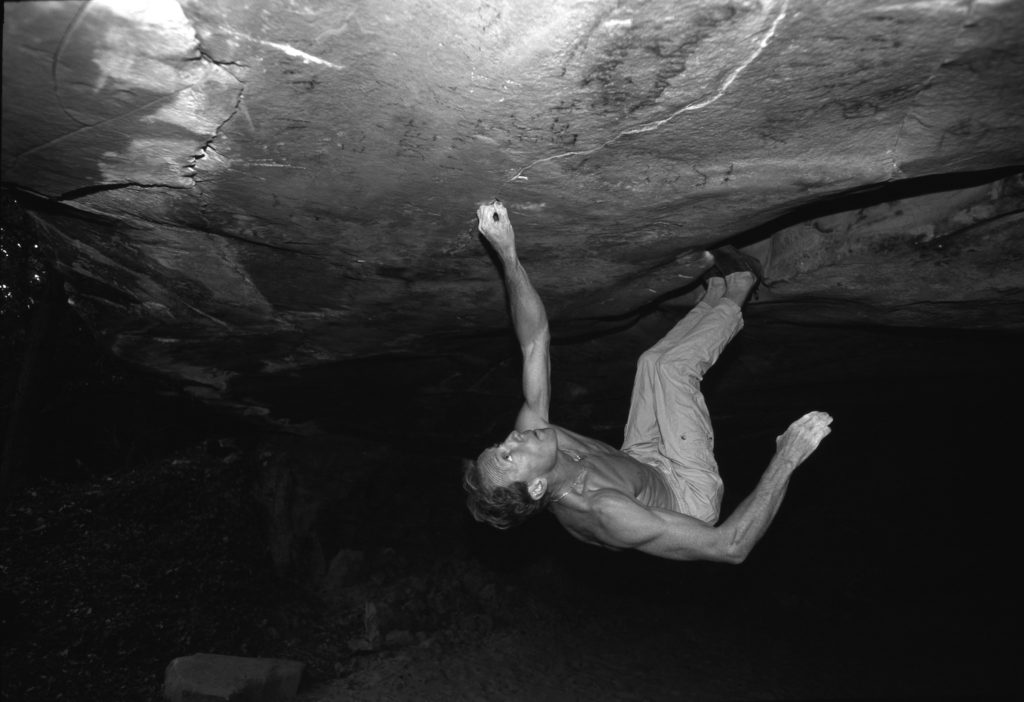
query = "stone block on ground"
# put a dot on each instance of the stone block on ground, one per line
(208, 677)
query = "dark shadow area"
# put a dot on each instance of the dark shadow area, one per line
(69, 409)
(142, 526)
(147, 529)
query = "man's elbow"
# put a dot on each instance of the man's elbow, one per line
(735, 556)
(733, 550)
(537, 340)
(728, 556)
(717, 551)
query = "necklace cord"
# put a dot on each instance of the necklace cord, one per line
(575, 484)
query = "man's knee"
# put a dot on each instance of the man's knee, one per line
(648, 360)
(677, 369)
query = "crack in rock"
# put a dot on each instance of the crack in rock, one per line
(203, 151)
(167, 115)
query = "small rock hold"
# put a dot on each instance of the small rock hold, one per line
(207, 677)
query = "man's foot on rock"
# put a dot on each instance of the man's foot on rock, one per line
(729, 261)
(694, 264)
(714, 290)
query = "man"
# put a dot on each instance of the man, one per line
(661, 492)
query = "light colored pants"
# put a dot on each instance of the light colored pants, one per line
(669, 426)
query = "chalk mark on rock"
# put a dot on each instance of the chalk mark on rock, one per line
(925, 85)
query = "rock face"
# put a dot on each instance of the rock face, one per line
(240, 190)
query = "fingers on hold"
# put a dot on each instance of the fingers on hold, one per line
(822, 417)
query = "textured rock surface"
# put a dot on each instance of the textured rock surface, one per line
(244, 190)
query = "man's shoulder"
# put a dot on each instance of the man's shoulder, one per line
(594, 518)
(601, 511)
(606, 517)
(609, 503)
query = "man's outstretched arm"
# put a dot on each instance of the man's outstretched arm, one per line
(627, 524)
(749, 521)
(528, 316)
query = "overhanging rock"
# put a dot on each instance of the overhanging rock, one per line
(235, 191)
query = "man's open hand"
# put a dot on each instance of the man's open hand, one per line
(496, 227)
(803, 436)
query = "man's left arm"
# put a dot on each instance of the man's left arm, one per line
(625, 523)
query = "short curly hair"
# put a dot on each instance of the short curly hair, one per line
(501, 506)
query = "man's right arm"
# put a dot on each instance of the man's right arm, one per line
(625, 523)
(528, 317)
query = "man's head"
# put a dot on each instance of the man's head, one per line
(508, 482)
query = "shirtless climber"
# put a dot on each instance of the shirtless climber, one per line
(661, 492)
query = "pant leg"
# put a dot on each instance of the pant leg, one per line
(671, 427)
(642, 430)
(687, 438)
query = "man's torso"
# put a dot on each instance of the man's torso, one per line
(607, 468)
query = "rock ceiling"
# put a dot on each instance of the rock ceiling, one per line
(235, 190)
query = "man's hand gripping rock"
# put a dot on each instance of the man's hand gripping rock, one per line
(496, 228)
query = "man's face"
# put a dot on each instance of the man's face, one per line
(525, 455)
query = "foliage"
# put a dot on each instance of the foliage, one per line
(24, 269)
